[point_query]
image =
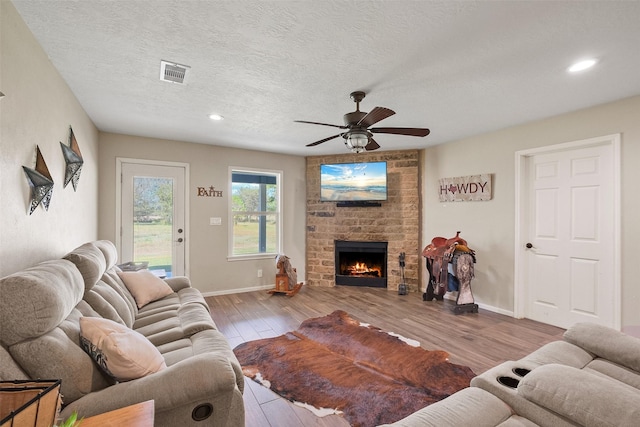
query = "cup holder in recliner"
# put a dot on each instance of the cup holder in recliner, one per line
(508, 382)
(521, 372)
(202, 412)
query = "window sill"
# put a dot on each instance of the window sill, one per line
(250, 257)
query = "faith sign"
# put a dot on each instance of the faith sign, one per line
(465, 188)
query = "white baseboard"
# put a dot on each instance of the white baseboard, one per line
(495, 309)
(239, 290)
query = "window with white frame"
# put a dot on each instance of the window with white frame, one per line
(255, 213)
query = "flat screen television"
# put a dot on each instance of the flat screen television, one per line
(353, 182)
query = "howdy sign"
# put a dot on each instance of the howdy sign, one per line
(465, 188)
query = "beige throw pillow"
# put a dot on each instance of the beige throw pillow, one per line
(122, 353)
(145, 286)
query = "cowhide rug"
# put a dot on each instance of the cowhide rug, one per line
(370, 376)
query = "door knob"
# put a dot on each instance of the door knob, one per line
(529, 245)
(180, 240)
(179, 230)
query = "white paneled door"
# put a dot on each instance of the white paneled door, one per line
(153, 228)
(569, 237)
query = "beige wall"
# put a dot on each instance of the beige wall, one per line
(209, 269)
(37, 110)
(490, 226)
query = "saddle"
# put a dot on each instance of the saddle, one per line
(439, 253)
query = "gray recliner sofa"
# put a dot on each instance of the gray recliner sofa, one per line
(589, 378)
(40, 311)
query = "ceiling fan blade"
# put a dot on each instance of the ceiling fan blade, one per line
(372, 145)
(323, 140)
(375, 115)
(403, 131)
(323, 124)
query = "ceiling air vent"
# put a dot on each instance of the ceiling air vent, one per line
(172, 72)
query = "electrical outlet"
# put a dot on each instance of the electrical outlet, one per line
(259, 273)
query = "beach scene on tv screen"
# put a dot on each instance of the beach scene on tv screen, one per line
(353, 181)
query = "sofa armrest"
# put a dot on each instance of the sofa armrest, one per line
(193, 380)
(606, 343)
(585, 398)
(178, 282)
(467, 407)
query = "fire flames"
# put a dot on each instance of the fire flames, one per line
(360, 268)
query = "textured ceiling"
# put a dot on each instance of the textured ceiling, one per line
(459, 68)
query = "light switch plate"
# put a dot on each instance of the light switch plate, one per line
(215, 221)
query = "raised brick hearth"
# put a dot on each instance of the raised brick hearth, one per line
(397, 221)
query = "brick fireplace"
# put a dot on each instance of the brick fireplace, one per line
(396, 222)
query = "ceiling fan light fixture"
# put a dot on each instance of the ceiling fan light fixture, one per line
(359, 136)
(356, 141)
(216, 117)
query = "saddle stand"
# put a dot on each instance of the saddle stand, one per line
(439, 254)
(286, 278)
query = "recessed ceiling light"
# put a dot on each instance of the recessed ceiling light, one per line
(216, 117)
(582, 65)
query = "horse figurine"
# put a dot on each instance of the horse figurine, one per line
(439, 254)
(286, 277)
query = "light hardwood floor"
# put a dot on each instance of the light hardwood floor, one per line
(478, 340)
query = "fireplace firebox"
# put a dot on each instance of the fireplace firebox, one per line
(361, 263)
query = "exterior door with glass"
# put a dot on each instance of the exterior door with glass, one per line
(153, 215)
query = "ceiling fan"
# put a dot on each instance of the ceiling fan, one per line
(359, 136)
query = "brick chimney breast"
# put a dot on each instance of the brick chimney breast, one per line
(397, 221)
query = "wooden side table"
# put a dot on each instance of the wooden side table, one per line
(138, 415)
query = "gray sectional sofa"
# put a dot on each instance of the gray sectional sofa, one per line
(194, 379)
(590, 378)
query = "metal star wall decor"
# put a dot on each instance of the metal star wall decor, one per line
(73, 158)
(40, 182)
